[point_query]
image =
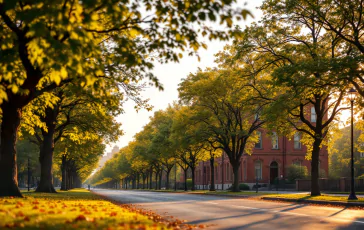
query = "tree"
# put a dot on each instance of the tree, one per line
(220, 100)
(78, 160)
(73, 109)
(45, 44)
(300, 58)
(340, 154)
(161, 144)
(26, 150)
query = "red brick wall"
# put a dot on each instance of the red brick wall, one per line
(285, 155)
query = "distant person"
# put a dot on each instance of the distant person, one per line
(89, 187)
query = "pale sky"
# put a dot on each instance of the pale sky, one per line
(170, 76)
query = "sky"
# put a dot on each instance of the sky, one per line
(170, 76)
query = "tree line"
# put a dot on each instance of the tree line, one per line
(288, 73)
(66, 67)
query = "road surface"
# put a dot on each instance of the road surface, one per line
(231, 213)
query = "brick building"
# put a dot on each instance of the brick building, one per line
(270, 159)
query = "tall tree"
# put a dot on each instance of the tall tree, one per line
(73, 109)
(220, 100)
(299, 56)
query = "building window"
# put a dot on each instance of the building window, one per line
(258, 170)
(313, 114)
(258, 145)
(297, 141)
(275, 141)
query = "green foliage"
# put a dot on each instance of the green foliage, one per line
(296, 172)
(340, 153)
(189, 184)
(360, 177)
(55, 38)
(242, 186)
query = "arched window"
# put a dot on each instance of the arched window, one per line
(275, 141)
(258, 169)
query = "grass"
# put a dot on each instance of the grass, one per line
(74, 209)
(217, 192)
(345, 193)
(320, 198)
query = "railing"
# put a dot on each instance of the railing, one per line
(325, 184)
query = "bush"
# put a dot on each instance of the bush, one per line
(242, 187)
(360, 177)
(296, 172)
(322, 173)
(189, 184)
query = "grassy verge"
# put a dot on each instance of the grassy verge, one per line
(217, 192)
(74, 209)
(319, 198)
(345, 193)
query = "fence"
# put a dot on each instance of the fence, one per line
(335, 185)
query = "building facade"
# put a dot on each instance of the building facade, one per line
(270, 158)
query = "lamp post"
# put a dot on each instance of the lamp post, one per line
(352, 95)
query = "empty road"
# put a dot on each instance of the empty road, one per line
(231, 213)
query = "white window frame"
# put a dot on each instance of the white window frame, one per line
(297, 141)
(275, 141)
(313, 114)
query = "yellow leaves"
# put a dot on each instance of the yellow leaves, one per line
(74, 35)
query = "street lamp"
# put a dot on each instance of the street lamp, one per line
(352, 95)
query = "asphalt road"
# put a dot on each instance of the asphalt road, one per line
(231, 213)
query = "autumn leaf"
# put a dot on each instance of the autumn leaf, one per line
(113, 214)
(80, 218)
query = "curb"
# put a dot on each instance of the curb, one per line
(204, 194)
(321, 202)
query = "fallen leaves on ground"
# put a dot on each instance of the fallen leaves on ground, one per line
(74, 209)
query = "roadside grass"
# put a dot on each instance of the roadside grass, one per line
(344, 193)
(74, 209)
(217, 192)
(308, 197)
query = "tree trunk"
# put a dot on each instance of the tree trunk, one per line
(151, 179)
(235, 187)
(138, 180)
(156, 180)
(212, 187)
(147, 184)
(167, 178)
(64, 175)
(160, 179)
(46, 151)
(8, 168)
(193, 178)
(315, 188)
(185, 178)
(143, 175)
